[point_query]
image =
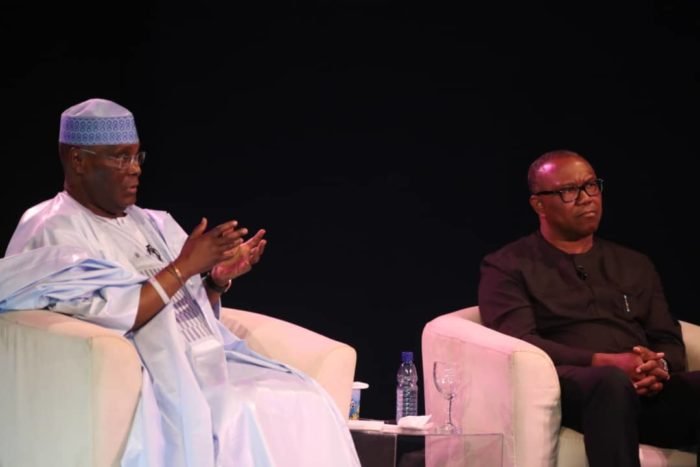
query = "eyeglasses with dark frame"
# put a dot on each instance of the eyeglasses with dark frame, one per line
(569, 194)
(121, 161)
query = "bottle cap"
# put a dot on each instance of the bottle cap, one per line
(406, 357)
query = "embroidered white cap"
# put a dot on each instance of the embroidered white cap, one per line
(97, 122)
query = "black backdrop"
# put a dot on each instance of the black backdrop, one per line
(383, 144)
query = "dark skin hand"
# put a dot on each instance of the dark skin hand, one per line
(246, 255)
(641, 365)
(201, 252)
(652, 368)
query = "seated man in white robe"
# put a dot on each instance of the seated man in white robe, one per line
(207, 399)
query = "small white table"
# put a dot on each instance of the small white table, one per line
(393, 446)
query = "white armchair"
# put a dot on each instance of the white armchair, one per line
(69, 389)
(512, 388)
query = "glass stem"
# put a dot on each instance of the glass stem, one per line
(449, 411)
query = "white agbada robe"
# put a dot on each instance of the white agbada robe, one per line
(207, 399)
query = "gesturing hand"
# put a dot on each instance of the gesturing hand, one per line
(245, 255)
(202, 251)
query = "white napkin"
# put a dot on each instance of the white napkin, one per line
(415, 422)
(366, 424)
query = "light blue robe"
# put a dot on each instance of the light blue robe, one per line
(213, 402)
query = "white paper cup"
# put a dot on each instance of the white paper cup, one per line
(357, 388)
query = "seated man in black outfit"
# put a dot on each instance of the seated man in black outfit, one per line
(599, 311)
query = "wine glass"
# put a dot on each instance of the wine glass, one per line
(446, 379)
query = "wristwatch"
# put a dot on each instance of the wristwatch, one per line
(664, 364)
(211, 285)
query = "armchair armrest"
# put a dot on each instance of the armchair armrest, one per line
(511, 387)
(69, 390)
(329, 362)
(691, 339)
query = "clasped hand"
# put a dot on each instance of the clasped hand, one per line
(650, 373)
(641, 365)
(221, 250)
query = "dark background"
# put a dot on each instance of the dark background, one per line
(382, 144)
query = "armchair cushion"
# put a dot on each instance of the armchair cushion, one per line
(512, 388)
(69, 391)
(329, 362)
(70, 388)
(498, 371)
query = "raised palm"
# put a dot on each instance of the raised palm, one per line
(245, 256)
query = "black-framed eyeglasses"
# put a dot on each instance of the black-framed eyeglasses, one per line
(121, 161)
(569, 194)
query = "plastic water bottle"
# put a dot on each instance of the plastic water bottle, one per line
(406, 387)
